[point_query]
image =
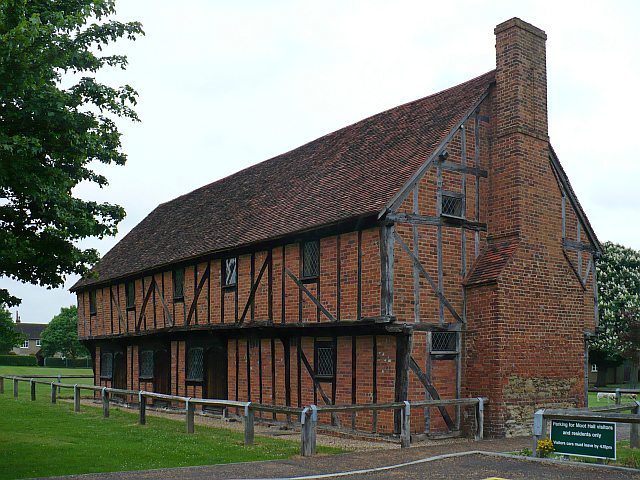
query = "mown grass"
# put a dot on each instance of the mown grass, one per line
(42, 439)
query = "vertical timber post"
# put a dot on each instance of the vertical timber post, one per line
(480, 418)
(403, 355)
(54, 391)
(249, 424)
(386, 268)
(15, 387)
(405, 433)
(190, 409)
(142, 401)
(59, 387)
(76, 398)
(308, 420)
(634, 436)
(105, 402)
(1, 384)
(33, 390)
(618, 397)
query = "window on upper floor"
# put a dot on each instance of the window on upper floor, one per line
(93, 304)
(106, 365)
(451, 205)
(130, 294)
(230, 272)
(311, 259)
(146, 364)
(324, 360)
(195, 364)
(25, 344)
(38, 343)
(178, 284)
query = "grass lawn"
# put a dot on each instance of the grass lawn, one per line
(42, 439)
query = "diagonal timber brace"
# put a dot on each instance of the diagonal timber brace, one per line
(311, 296)
(432, 391)
(194, 303)
(427, 277)
(120, 316)
(144, 303)
(254, 288)
(165, 308)
(316, 384)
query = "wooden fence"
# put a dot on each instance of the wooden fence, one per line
(618, 392)
(308, 415)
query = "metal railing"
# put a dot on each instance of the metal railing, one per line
(308, 415)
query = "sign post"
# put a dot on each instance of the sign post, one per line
(584, 438)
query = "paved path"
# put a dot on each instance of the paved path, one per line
(446, 461)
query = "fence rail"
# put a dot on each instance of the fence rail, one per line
(308, 415)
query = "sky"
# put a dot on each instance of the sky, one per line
(226, 84)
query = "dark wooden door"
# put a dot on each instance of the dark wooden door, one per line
(119, 370)
(162, 372)
(216, 372)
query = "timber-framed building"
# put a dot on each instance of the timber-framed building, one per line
(435, 250)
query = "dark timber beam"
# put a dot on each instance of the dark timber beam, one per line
(254, 289)
(164, 306)
(414, 219)
(147, 296)
(578, 246)
(432, 391)
(310, 295)
(428, 278)
(194, 303)
(455, 167)
(327, 400)
(120, 316)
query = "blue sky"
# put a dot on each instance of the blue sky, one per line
(224, 85)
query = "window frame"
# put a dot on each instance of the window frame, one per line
(178, 298)
(38, 342)
(25, 343)
(594, 368)
(223, 273)
(93, 302)
(147, 376)
(324, 344)
(102, 363)
(454, 334)
(303, 249)
(188, 378)
(456, 195)
(130, 295)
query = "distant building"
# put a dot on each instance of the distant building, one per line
(33, 331)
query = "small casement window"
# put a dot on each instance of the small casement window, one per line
(106, 365)
(38, 343)
(594, 368)
(25, 344)
(93, 304)
(195, 371)
(130, 294)
(310, 259)
(444, 342)
(178, 284)
(229, 272)
(325, 361)
(146, 364)
(452, 205)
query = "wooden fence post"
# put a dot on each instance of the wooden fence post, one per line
(1, 384)
(76, 398)
(405, 426)
(59, 387)
(190, 411)
(53, 392)
(33, 390)
(249, 424)
(105, 402)
(539, 430)
(618, 397)
(480, 418)
(634, 436)
(308, 421)
(142, 400)
(15, 387)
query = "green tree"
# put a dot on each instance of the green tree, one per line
(9, 336)
(61, 335)
(50, 134)
(619, 303)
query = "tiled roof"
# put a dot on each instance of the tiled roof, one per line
(32, 330)
(353, 172)
(491, 262)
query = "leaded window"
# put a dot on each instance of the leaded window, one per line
(325, 360)
(130, 294)
(452, 205)
(195, 370)
(93, 307)
(229, 272)
(310, 259)
(444, 342)
(178, 284)
(106, 365)
(146, 364)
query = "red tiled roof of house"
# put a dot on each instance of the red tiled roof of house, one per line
(491, 261)
(351, 173)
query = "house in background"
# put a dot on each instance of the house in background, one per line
(435, 250)
(32, 332)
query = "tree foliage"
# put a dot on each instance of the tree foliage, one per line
(50, 134)
(618, 273)
(9, 336)
(61, 335)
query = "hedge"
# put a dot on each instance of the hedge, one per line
(19, 360)
(67, 362)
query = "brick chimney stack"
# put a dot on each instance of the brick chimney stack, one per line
(17, 318)
(520, 149)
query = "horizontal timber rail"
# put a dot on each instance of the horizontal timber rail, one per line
(617, 393)
(308, 415)
(596, 414)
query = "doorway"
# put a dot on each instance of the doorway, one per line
(216, 373)
(119, 370)
(162, 372)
